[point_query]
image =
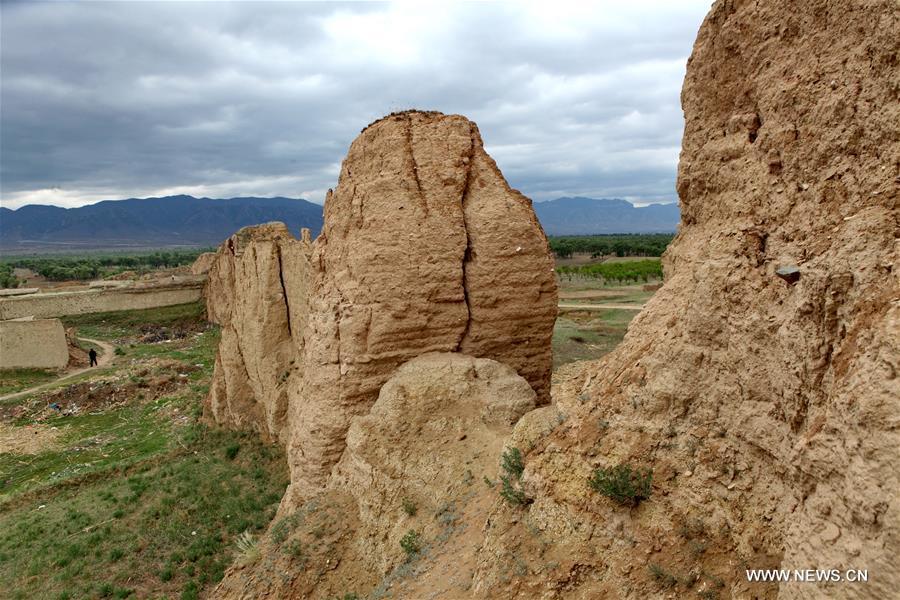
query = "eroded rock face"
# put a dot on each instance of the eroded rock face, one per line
(256, 291)
(766, 406)
(438, 421)
(425, 248)
(203, 263)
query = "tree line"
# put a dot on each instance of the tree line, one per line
(65, 268)
(7, 278)
(637, 244)
(620, 272)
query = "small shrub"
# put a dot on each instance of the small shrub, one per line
(697, 548)
(190, 591)
(119, 351)
(411, 543)
(692, 528)
(512, 463)
(409, 507)
(661, 576)
(468, 477)
(231, 451)
(283, 528)
(509, 492)
(166, 574)
(488, 482)
(248, 548)
(294, 549)
(623, 484)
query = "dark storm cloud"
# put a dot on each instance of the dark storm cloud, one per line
(108, 100)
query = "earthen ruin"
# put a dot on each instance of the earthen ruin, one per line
(420, 325)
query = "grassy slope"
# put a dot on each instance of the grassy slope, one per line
(135, 498)
(115, 325)
(13, 380)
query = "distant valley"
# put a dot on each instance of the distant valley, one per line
(185, 221)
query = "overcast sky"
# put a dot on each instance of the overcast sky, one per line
(108, 100)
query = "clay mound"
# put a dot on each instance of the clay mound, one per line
(249, 294)
(766, 406)
(416, 462)
(425, 248)
(436, 430)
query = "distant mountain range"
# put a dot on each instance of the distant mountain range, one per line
(148, 223)
(186, 221)
(585, 216)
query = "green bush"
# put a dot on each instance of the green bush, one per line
(509, 492)
(512, 462)
(634, 244)
(623, 484)
(411, 543)
(514, 465)
(231, 451)
(409, 507)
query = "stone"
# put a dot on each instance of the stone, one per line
(789, 273)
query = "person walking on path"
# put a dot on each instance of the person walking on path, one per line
(93, 356)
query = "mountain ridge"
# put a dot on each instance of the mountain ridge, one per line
(184, 220)
(135, 222)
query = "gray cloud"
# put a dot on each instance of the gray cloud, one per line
(115, 99)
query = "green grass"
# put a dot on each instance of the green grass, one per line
(13, 380)
(135, 498)
(588, 336)
(120, 324)
(166, 524)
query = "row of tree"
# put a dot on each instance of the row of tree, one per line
(637, 244)
(619, 272)
(7, 278)
(65, 268)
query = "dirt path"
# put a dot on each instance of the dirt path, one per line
(102, 360)
(600, 306)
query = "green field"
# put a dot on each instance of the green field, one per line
(616, 271)
(130, 495)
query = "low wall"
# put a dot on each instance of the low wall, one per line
(39, 344)
(59, 304)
